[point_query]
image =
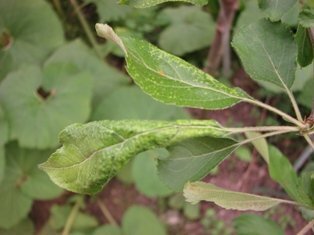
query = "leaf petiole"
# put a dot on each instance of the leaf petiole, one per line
(262, 129)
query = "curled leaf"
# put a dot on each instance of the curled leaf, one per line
(93, 153)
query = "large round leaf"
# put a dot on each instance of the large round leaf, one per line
(29, 31)
(40, 104)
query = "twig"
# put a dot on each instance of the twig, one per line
(303, 158)
(72, 217)
(106, 213)
(220, 45)
(86, 28)
(307, 228)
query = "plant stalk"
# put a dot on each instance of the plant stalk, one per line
(262, 129)
(106, 213)
(307, 228)
(269, 134)
(276, 111)
(308, 139)
(72, 217)
(86, 28)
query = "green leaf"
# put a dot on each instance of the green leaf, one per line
(4, 127)
(25, 227)
(93, 153)
(105, 78)
(302, 76)
(277, 10)
(191, 211)
(2, 163)
(145, 175)
(45, 102)
(306, 17)
(131, 103)
(282, 172)
(110, 10)
(19, 187)
(305, 47)
(150, 3)
(139, 220)
(108, 230)
(190, 29)
(250, 14)
(268, 54)
(306, 97)
(260, 144)
(244, 154)
(198, 191)
(59, 215)
(31, 30)
(249, 224)
(193, 159)
(170, 79)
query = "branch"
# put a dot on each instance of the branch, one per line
(307, 228)
(221, 46)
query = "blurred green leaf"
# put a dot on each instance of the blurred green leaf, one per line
(131, 103)
(140, 220)
(306, 17)
(250, 14)
(281, 170)
(249, 224)
(93, 153)
(2, 163)
(40, 103)
(306, 97)
(305, 46)
(190, 29)
(145, 175)
(193, 159)
(260, 144)
(302, 76)
(150, 3)
(108, 230)
(269, 54)
(25, 227)
(176, 201)
(110, 10)
(32, 32)
(105, 78)
(19, 185)
(192, 212)
(59, 215)
(200, 191)
(4, 126)
(284, 10)
(243, 153)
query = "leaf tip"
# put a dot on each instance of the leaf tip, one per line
(105, 31)
(189, 193)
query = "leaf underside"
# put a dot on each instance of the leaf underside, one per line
(93, 153)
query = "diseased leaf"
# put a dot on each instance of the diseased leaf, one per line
(31, 31)
(282, 172)
(249, 224)
(44, 102)
(260, 144)
(199, 191)
(150, 3)
(189, 29)
(93, 153)
(139, 220)
(193, 159)
(268, 54)
(277, 10)
(169, 79)
(305, 47)
(144, 171)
